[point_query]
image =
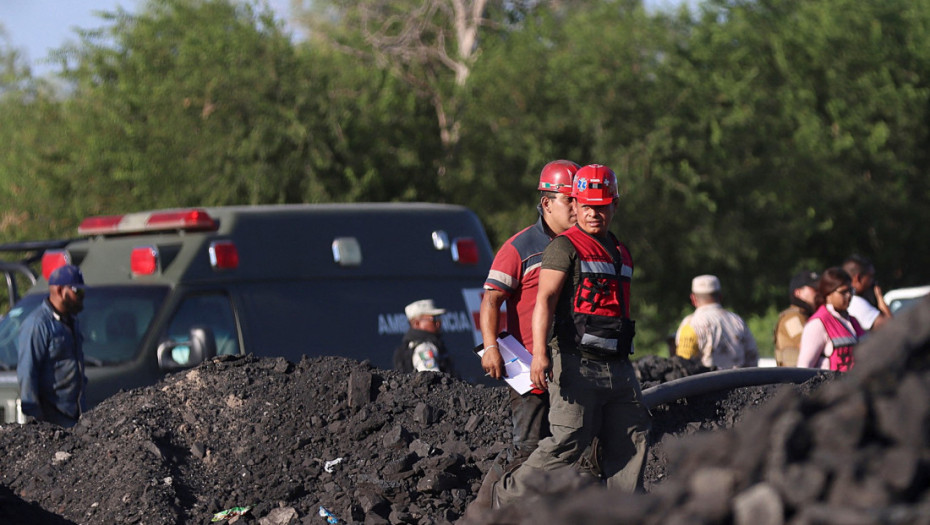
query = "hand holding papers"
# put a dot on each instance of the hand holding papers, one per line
(517, 362)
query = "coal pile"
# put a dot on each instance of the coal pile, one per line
(285, 439)
(855, 450)
(652, 370)
(712, 412)
(365, 444)
(289, 440)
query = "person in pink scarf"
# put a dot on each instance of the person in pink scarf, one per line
(831, 333)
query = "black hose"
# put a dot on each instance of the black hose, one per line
(709, 382)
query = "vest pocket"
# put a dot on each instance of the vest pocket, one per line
(607, 336)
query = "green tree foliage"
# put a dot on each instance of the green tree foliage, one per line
(751, 138)
(188, 103)
(30, 121)
(431, 45)
(792, 138)
(11, 70)
(25, 109)
(545, 89)
(209, 102)
(750, 141)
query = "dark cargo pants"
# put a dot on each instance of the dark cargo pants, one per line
(588, 398)
(530, 415)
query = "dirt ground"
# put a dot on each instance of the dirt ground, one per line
(331, 436)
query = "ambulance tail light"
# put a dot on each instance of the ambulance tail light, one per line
(143, 260)
(465, 251)
(52, 260)
(224, 255)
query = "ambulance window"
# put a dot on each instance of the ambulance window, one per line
(9, 329)
(114, 321)
(212, 310)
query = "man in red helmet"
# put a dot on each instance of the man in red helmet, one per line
(513, 279)
(584, 296)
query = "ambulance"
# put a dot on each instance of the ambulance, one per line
(168, 289)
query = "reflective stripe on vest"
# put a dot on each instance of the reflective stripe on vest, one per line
(844, 341)
(600, 342)
(601, 297)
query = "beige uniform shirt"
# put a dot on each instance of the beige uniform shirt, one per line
(788, 332)
(720, 337)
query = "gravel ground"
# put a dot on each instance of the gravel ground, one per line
(289, 440)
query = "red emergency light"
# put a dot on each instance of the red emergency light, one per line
(143, 260)
(101, 224)
(53, 260)
(181, 220)
(224, 255)
(465, 251)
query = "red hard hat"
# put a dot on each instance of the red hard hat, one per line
(557, 176)
(595, 185)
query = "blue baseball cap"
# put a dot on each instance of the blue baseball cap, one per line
(67, 275)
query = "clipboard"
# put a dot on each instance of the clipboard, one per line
(517, 360)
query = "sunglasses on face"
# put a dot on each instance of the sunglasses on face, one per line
(77, 291)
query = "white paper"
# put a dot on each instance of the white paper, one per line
(517, 362)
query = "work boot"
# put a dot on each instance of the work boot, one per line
(483, 500)
(589, 464)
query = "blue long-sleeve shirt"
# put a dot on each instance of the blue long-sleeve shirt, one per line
(51, 366)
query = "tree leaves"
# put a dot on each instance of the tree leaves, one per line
(751, 139)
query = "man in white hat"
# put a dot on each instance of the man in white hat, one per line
(422, 348)
(713, 335)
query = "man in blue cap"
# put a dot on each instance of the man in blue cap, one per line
(51, 357)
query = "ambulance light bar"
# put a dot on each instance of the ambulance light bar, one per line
(187, 220)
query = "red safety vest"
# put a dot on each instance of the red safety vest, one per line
(601, 300)
(843, 342)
